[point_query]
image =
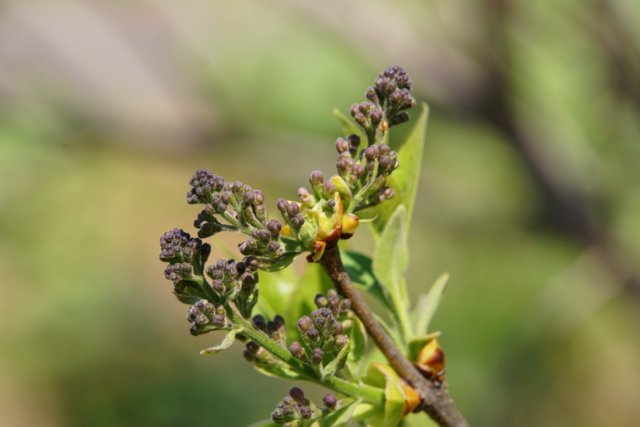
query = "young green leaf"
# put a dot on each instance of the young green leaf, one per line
(358, 337)
(336, 364)
(404, 181)
(359, 268)
(341, 415)
(276, 289)
(279, 370)
(428, 304)
(383, 375)
(225, 344)
(390, 261)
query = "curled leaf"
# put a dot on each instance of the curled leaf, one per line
(225, 344)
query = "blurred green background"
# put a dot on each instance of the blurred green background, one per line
(530, 195)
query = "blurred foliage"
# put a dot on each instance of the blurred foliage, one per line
(106, 108)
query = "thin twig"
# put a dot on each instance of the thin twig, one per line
(435, 399)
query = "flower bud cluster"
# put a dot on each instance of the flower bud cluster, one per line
(391, 92)
(205, 317)
(232, 280)
(366, 171)
(293, 409)
(322, 334)
(228, 205)
(186, 257)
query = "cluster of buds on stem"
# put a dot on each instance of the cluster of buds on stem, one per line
(206, 317)
(293, 410)
(323, 332)
(365, 171)
(185, 257)
(235, 281)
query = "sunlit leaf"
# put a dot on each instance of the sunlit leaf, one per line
(390, 261)
(428, 304)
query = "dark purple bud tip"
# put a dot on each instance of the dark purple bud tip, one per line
(329, 401)
(297, 394)
(316, 356)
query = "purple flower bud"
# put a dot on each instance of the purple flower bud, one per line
(330, 401)
(304, 323)
(342, 145)
(316, 356)
(297, 350)
(297, 394)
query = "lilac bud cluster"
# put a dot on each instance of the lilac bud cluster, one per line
(366, 171)
(205, 317)
(322, 335)
(232, 280)
(264, 242)
(186, 257)
(391, 92)
(228, 205)
(290, 212)
(293, 409)
(369, 116)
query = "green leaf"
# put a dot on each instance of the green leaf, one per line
(276, 289)
(341, 415)
(428, 304)
(359, 267)
(358, 337)
(390, 261)
(381, 375)
(225, 344)
(405, 179)
(336, 364)
(348, 126)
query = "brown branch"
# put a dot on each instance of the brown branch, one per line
(435, 399)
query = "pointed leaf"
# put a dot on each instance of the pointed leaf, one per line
(336, 364)
(428, 304)
(358, 337)
(360, 269)
(225, 344)
(382, 375)
(390, 261)
(405, 179)
(341, 415)
(265, 423)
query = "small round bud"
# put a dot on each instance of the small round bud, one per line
(342, 145)
(316, 356)
(297, 350)
(304, 323)
(297, 394)
(313, 334)
(329, 401)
